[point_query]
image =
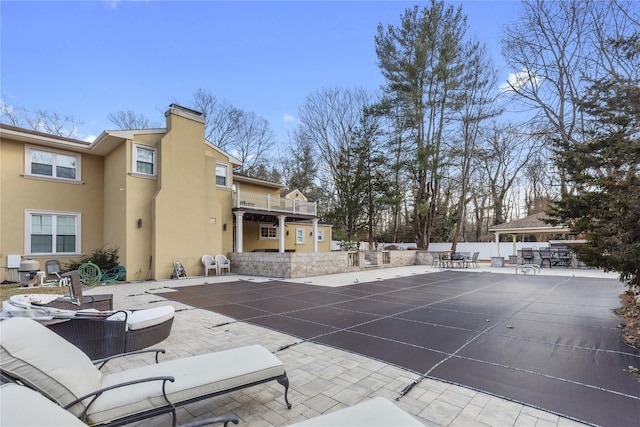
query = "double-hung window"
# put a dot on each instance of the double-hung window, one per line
(222, 172)
(144, 160)
(320, 236)
(300, 236)
(52, 164)
(52, 232)
(268, 231)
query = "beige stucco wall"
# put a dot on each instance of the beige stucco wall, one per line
(187, 215)
(20, 193)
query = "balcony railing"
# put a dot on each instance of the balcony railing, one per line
(266, 202)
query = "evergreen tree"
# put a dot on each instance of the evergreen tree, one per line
(605, 207)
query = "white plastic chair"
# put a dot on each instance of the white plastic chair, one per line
(209, 264)
(222, 262)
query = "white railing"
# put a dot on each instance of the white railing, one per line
(270, 203)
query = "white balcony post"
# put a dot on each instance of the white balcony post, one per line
(281, 232)
(314, 223)
(239, 234)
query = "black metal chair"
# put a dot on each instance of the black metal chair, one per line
(527, 255)
(545, 255)
(565, 257)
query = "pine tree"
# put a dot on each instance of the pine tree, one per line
(605, 208)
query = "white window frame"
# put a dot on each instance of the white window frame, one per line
(226, 176)
(28, 160)
(268, 227)
(300, 236)
(29, 213)
(134, 159)
(320, 235)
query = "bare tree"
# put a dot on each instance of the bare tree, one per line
(331, 120)
(14, 116)
(240, 133)
(556, 50)
(221, 118)
(477, 105)
(41, 120)
(252, 141)
(129, 120)
(505, 153)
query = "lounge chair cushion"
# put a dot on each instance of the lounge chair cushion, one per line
(375, 412)
(61, 372)
(21, 406)
(141, 319)
(195, 376)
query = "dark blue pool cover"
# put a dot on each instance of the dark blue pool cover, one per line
(549, 342)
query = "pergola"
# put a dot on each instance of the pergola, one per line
(533, 224)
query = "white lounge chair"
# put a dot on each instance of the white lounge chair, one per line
(21, 406)
(376, 412)
(39, 358)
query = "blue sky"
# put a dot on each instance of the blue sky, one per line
(92, 58)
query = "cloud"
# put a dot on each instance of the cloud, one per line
(288, 118)
(90, 138)
(519, 80)
(111, 4)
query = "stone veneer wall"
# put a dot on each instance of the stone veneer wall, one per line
(295, 265)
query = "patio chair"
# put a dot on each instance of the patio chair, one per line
(209, 263)
(435, 259)
(222, 262)
(77, 301)
(69, 378)
(377, 412)
(472, 260)
(527, 255)
(98, 334)
(545, 255)
(444, 259)
(565, 257)
(52, 267)
(22, 406)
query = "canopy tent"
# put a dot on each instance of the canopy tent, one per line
(533, 224)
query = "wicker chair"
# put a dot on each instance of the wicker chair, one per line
(122, 332)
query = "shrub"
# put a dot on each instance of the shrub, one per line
(105, 258)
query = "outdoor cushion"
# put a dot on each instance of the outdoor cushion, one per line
(195, 376)
(21, 406)
(375, 412)
(54, 367)
(140, 319)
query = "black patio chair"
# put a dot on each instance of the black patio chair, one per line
(545, 255)
(527, 255)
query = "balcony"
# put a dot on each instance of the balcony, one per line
(268, 203)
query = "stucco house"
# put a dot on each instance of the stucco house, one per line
(158, 195)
